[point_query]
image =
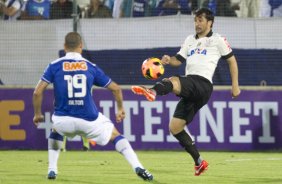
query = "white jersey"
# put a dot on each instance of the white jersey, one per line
(203, 54)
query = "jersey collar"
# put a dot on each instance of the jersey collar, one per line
(208, 35)
(73, 55)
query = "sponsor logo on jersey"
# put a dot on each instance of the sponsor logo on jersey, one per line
(74, 66)
(198, 51)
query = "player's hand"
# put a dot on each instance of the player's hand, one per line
(235, 92)
(120, 115)
(165, 60)
(38, 118)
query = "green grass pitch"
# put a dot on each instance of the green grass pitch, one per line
(168, 167)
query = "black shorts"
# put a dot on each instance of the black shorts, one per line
(195, 93)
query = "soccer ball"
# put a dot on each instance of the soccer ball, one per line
(152, 68)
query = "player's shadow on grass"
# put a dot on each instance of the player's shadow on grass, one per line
(91, 182)
(76, 181)
(157, 182)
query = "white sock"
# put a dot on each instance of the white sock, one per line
(53, 156)
(124, 147)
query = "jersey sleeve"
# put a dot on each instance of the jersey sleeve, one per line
(101, 79)
(224, 48)
(48, 75)
(184, 49)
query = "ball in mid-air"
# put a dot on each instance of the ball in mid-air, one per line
(152, 68)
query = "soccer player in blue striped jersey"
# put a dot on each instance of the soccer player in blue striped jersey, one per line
(75, 112)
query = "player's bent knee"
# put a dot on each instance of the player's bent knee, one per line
(176, 84)
(115, 134)
(56, 136)
(164, 87)
(176, 125)
(55, 141)
(174, 130)
(117, 138)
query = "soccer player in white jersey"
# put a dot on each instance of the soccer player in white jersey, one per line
(201, 52)
(75, 112)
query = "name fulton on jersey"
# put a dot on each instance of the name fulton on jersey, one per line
(75, 102)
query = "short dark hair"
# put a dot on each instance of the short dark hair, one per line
(72, 40)
(206, 12)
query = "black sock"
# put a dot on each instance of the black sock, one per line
(186, 142)
(163, 87)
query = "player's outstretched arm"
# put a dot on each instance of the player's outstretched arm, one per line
(172, 61)
(233, 67)
(37, 101)
(117, 92)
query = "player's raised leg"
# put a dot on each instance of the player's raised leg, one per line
(150, 94)
(123, 146)
(160, 88)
